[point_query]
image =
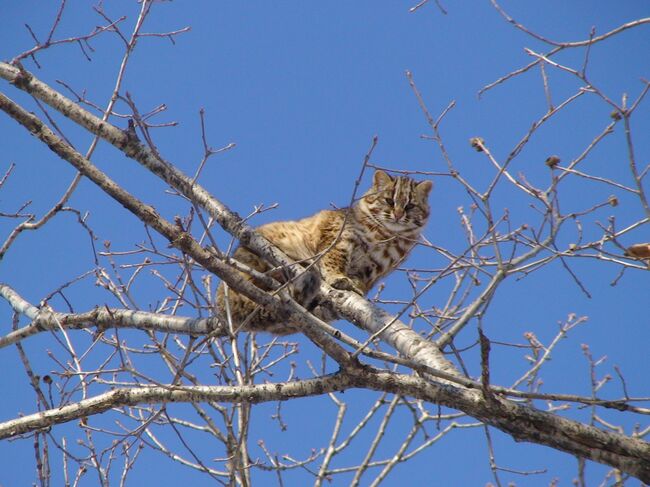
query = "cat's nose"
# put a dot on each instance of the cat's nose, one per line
(398, 212)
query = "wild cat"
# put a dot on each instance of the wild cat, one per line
(352, 248)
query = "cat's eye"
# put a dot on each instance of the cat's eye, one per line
(390, 201)
(409, 206)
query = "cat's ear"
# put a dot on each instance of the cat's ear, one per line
(423, 188)
(381, 179)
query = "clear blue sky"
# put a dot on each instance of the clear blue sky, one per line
(301, 88)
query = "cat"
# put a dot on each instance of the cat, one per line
(352, 248)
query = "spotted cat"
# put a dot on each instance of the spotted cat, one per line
(352, 248)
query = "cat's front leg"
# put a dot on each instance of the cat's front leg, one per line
(333, 267)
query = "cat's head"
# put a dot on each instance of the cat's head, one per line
(398, 203)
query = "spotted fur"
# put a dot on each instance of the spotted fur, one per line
(352, 248)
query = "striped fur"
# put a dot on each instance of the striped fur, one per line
(352, 248)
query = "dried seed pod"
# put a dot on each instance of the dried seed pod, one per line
(613, 200)
(477, 143)
(615, 115)
(638, 251)
(552, 161)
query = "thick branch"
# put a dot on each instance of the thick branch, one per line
(525, 423)
(142, 395)
(44, 320)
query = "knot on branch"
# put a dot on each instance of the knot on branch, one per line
(182, 240)
(131, 134)
(23, 79)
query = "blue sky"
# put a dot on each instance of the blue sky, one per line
(301, 88)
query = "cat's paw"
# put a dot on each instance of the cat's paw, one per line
(346, 284)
